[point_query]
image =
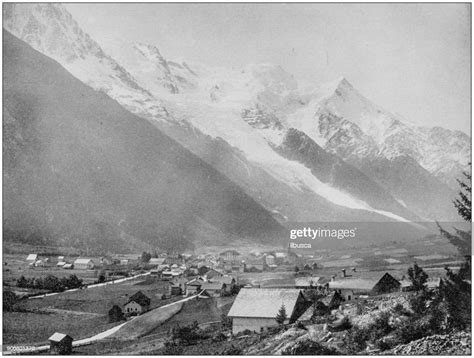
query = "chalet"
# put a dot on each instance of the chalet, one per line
(84, 264)
(270, 260)
(213, 289)
(386, 284)
(306, 282)
(60, 344)
(137, 304)
(332, 300)
(68, 266)
(157, 261)
(256, 308)
(212, 273)
(31, 258)
(353, 287)
(229, 282)
(178, 286)
(61, 264)
(193, 286)
(175, 289)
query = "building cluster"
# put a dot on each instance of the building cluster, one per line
(78, 263)
(256, 309)
(232, 261)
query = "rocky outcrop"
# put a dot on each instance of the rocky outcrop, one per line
(448, 344)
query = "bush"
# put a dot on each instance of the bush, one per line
(231, 351)
(355, 339)
(187, 335)
(172, 349)
(9, 301)
(226, 321)
(309, 347)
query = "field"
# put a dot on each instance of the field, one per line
(79, 313)
(203, 311)
(28, 328)
(15, 266)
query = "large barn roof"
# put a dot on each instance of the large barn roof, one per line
(353, 284)
(264, 302)
(366, 283)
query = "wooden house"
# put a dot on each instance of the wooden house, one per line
(137, 304)
(212, 273)
(84, 264)
(350, 288)
(213, 289)
(193, 286)
(256, 308)
(229, 282)
(60, 344)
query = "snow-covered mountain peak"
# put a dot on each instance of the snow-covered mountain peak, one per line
(272, 77)
(50, 28)
(150, 51)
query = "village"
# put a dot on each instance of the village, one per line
(149, 295)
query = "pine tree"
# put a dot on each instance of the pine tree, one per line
(463, 203)
(418, 277)
(281, 316)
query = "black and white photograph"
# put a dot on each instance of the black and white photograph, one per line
(230, 178)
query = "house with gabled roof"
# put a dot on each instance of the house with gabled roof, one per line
(306, 282)
(352, 287)
(212, 273)
(137, 303)
(255, 309)
(157, 261)
(60, 343)
(229, 282)
(213, 289)
(194, 286)
(84, 264)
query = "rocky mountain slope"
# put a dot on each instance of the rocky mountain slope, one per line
(78, 166)
(305, 154)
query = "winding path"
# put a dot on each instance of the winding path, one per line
(24, 349)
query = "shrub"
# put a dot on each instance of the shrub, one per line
(9, 301)
(226, 321)
(231, 351)
(187, 335)
(309, 347)
(355, 339)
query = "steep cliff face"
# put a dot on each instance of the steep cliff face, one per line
(81, 170)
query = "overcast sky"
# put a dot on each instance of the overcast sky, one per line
(412, 59)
